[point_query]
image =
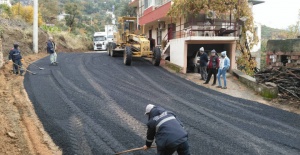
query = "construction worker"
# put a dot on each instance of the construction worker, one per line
(51, 50)
(16, 57)
(168, 131)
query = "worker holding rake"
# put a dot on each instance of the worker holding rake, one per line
(168, 131)
(16, 57)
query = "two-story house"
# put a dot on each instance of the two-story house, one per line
(181, 38)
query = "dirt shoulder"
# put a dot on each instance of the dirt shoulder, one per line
(21, 132)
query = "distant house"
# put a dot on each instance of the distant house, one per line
(61, 16)
(7, 2)
(181, 38)
(113, 17)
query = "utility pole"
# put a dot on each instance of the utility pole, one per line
(35, 26)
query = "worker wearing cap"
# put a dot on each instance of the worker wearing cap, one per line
(16, 57)
(203, 64)
(212, 67)
(168, 131)
(51, 50)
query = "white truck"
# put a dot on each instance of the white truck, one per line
(100, 41)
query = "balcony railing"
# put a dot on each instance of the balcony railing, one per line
(204, 29)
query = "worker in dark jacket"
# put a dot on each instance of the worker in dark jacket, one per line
(16, 57)
(168, 131)
(212, 67)
(203, 64)
(51, 50)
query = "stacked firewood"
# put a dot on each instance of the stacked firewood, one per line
(287, 80)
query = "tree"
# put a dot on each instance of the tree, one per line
(73, 11)
(5, 11)
(49, 9)
(25, 13)
(293, 30)
(238, 8)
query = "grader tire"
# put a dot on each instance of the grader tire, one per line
(108, 49)
(127, 56)
(156, 56)
(112, 47)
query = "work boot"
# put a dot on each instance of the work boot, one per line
(224, 88)
(213, 84)
(219, 86)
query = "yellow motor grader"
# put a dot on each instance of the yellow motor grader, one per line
(131, 44)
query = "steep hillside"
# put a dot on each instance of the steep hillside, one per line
(21, 32)
(273, 33)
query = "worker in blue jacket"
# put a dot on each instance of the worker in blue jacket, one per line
(168, 131)
(16, 57)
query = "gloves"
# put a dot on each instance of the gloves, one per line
(145, 147)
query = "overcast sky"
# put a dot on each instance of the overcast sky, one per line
(277, 13)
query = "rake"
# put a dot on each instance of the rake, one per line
(131, 150)
(33, 73)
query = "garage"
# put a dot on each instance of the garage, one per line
(193, 47)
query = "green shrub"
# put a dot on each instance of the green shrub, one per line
(5, 11)
(50, 29)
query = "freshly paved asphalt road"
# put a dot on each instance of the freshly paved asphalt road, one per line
(92, 104)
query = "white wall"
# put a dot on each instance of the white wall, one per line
(257, 47)
(177, 52)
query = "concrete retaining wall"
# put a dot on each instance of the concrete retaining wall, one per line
(267, 90)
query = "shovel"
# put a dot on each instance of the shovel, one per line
(131, 150)
(33, 73)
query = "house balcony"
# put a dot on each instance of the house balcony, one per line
(204, 31)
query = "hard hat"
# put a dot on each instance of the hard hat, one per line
(16, 44)
(149, 107)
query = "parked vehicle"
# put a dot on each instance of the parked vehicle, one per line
(131, 44)
(100, 41)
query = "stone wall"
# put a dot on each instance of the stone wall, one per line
(1, 54)
(267, 90)
(283, 53)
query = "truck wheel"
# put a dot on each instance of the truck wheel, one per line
(108, 49)
(127, 56)
(156, 56)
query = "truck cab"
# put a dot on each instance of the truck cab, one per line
(100, 41)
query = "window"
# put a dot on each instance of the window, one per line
(146, 4)
(99, 38)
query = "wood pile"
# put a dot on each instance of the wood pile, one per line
(287, 81)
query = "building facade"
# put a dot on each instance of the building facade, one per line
(7, 2)
(181, 38)
(282, 53)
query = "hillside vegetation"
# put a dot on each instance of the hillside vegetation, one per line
(74, 33)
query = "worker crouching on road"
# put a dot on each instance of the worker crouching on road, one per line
(16, 57)
(51, 50)
(168, 131)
